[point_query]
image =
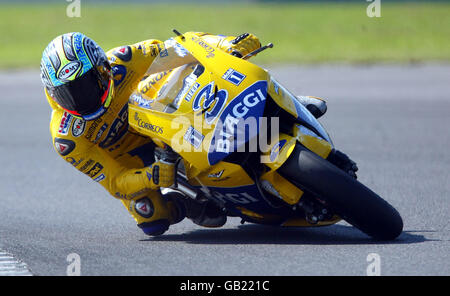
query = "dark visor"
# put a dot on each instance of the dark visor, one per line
(82, 95)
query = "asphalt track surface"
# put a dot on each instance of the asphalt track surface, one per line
(392, 120)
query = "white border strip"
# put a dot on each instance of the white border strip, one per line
(11, 266)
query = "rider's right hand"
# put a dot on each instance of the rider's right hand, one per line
(161, 174)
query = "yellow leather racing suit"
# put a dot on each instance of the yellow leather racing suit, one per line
(110, 152)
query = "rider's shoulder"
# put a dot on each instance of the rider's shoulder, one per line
(120, 55)
(67, 133)
(124, 54)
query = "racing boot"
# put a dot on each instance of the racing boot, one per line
(316, 106)
(204, 212)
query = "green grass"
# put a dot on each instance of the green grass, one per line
(301, 33)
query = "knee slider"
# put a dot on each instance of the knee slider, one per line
(156, 227)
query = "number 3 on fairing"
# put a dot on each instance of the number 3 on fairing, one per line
(208, 95)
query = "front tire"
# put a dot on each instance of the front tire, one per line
(348, 198)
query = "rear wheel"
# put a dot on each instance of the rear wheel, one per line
(348, 198)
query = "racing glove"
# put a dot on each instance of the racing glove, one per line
(161, 174)
(241, 45)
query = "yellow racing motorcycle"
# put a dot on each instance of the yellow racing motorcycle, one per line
(245, 142)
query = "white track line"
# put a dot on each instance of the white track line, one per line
(11, 266)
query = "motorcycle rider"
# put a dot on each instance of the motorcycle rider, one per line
(88, 91)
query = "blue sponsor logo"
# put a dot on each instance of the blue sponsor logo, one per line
(248, 196)
(204, 99)
(194, 137)
(118, 128)
(100, 178)
(119, 73)
(64, 125)
(231, 132)
(233, 76)
(139, 100)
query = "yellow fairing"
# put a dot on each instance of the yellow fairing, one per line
(312, 142)
(301, 133)
(223, 174)
(170, 128)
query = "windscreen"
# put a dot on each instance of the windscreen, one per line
(170, 78)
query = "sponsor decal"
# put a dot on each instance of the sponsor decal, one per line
(86, 165)
(135, 194)
(242, 195)
(276, 149)
(192, 91)
(64, 125)
(137, 99)
(153, 80)
(118, 128)
(216, 175)
(64, 146)
(144, 207)
(146, 125)
(100, 178)
(229, 133)
(119, 73)
(208, 48)
(162, 50)
(131, 195)
(233, 76)
(73, 161)
(153, 50)
(68, 71)
(100, 132)
(188, 81)
(180, 50)
(78, 127)
(194, 137)
(205, 97)
(92, 128)
(123, 53)
(94, 170)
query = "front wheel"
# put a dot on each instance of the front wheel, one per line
(348, 198)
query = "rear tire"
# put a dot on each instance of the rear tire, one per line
(348, 198)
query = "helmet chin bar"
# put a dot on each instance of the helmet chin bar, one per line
(106, 101)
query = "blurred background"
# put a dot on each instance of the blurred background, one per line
(302, 31)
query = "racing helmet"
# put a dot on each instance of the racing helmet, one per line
(77, 75)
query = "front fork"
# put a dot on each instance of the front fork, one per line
(271, 181)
